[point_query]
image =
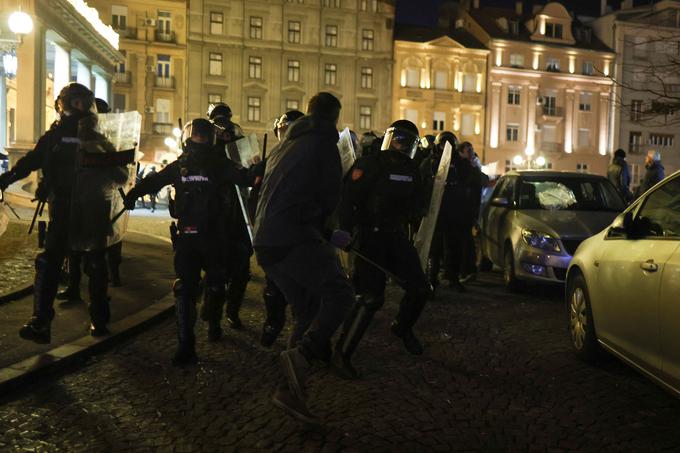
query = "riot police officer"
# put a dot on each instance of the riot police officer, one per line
(382, 195)
(56, 154)
(201, 182)
(219, 109)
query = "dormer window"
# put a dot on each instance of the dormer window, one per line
(513, 27)
(553, 30)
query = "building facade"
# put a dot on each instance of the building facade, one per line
(548, 94)
(439, 82)
(68, 42)
(646, 41)
(265, 57)
(152, 78)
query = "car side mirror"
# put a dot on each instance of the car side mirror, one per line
(623, 226)
(500, 202)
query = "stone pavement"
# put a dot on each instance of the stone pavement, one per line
(497, 375)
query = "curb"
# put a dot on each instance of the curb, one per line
(16, 293)
(60, 358)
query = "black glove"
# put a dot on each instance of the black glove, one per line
(5, 180)
(130, 200)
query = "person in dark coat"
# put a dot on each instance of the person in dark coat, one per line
(619, 174)
(653, 174)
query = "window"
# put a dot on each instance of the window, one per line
(294, 31)
(584, 102)
(366, 77)
(364, 5)
(215, 65)
(469, 82)
(582, 168)
(163, 66)
(513, 96)
(121, 67)
(293, 70)
(553, 30)
(441, 79)
(512, 132)
(516, 60)
(659, 215)
(162, 109)
(584, 138)
(365, 117)
(292, 104)
(331, 36)
(513, 27)
(330, 73)
(255, 27)
(255, 67)
(636, 110)
(553, 65)
(587, 68)
(253, 109)
(164, 23)
(118, 17)
(664, 140)
(118, 103)
(366, 39)
(216, 23)
(549, 135)
(331, 3)
(214, 98)
(634, 141)
(550, 105)
(468, 124)
(439, 122)
(413, 77)
(412, 115)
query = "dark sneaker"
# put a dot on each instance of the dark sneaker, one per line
(234, 321)
(269, 335)
(458, 286)
(98, 331)
(343, 367)
(69, 295)
(185, 356)
(285, 400)
(36, 331)
(214, 331)
(297, 370)
(411, 343)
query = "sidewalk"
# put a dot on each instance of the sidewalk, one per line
(147, 276)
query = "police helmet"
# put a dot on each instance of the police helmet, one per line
(102, 105)
(219, 109)
(401, 136)
(285, 120)
(226, 129)
(75, 92)
(427, 142)
(199, 131)
(444, 137)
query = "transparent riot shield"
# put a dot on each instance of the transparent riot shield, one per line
(107, 166)
(346, 149)
(423, 239)
(244, 152)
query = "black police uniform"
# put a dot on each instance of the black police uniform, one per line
(201, 181)
(382, 195)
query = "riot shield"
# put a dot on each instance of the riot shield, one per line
(244, 152)
(107, 156)
(346, 149)
(423, 239)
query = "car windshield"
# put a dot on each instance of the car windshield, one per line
(568, 193)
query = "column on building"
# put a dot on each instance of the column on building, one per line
(494, 117)
(603, 114)
(62, 68)
(531, 119)
(30, 111)
(569, 120)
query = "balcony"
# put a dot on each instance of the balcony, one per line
(122, 78)
(552, 111)
(162, 128)
(165, 37)
(471, 98)
(550, 147)
(127, 32)
(165, 82)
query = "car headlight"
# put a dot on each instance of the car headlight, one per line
(541, 241)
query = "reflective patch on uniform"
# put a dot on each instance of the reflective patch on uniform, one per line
(75, 140)
(357, 173)
(190, 230)
(401, 178)
(195, 178)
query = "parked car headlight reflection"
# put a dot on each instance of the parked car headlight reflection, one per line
(541, 241)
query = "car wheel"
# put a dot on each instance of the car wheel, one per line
(485, 264)
(509, 277)
(581, 323)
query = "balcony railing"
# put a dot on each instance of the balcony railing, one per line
(549, 110)
(165, 37)
(122, 77)
(162, 128)
(550, 147)
(471, 98)
(127, 32)
(165, 82)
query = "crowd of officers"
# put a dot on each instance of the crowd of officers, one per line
(304, 209)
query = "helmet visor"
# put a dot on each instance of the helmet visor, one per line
(401, 140)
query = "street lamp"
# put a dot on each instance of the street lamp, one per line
(177, 133)
(170, 142)
(540, 161)
(518, 160)
(20, 23)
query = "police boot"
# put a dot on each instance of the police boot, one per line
(235, 293)
(100, 312)
(37, 329)
(214, 301)
(275, 305)
(353, 330)
(185, 314)
(70, 294)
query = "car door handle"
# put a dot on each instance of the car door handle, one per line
(649, 266)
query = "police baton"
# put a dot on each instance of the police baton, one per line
(38, 212)
(264, 147)
(122, 211)
(382, 269)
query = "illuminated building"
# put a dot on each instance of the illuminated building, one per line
(439, 82)
(547, 90)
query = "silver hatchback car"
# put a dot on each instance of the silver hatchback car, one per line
(535, 221)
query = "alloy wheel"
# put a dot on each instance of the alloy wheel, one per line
(578, 317)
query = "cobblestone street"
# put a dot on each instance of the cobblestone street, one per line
(497, 375)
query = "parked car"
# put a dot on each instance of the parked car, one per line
(536, 220)
(623, 287)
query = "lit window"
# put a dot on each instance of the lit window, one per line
(294, 31)
(216, 23)
(514, 96)
(215, 66)
(553, 65)
(330, 74)
(516, 60)
(663, 140)
(255, 67)
(366, 77)
(365, 117)
(292, 104)
(293, 70)
(367, 39)
(255, 27)
(214, 98)
(331, 36)
(254, 109)
(413, 77)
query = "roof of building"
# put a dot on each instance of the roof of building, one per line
(487, 18)
(414, 33)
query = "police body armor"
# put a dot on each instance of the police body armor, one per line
(59, 169)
